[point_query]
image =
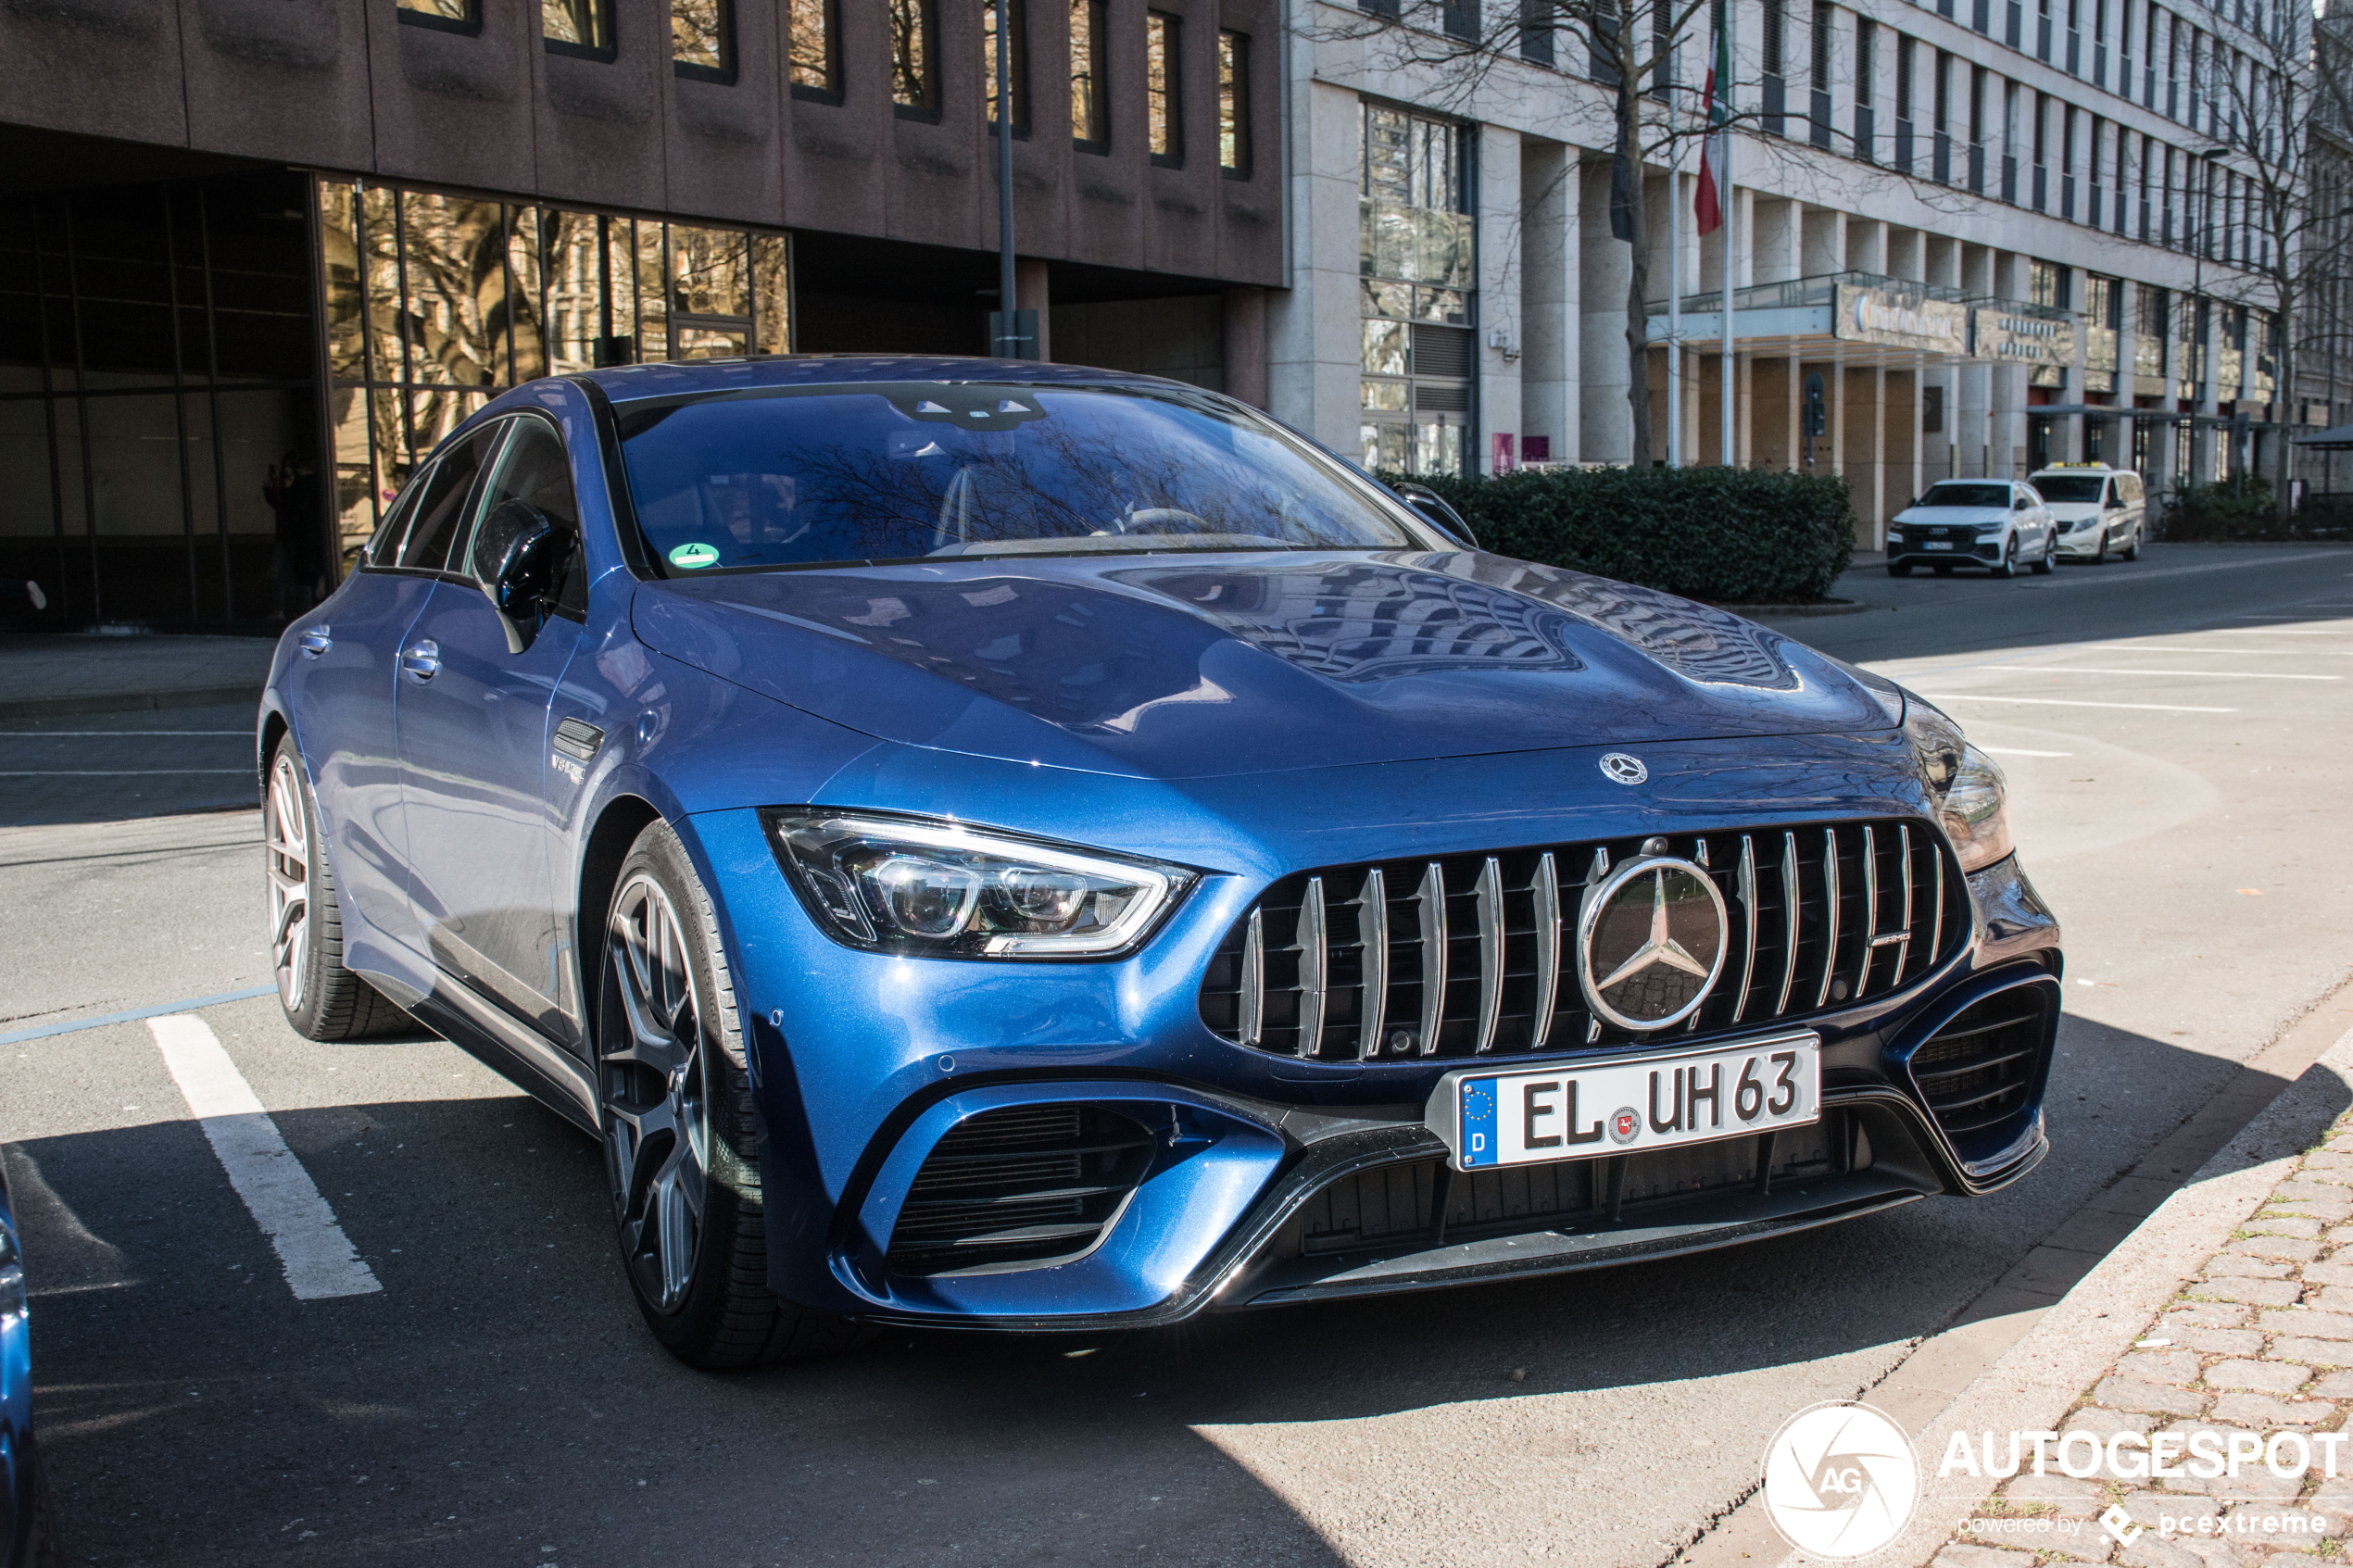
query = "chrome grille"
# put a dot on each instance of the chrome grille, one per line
(1023, 1185)
(1473, 954)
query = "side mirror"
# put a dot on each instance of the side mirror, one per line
(2022, 504)
(1434, 510)
(526, 554)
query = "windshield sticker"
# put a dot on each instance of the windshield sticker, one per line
(693, 555)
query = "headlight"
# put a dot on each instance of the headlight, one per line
(1970, 794)
(935, 889)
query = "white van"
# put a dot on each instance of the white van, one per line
(2098, 508)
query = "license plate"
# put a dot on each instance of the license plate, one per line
(1577, 1110)
(1937, 545)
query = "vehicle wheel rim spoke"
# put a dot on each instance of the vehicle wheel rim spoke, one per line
(650, 1056)
(287, 859)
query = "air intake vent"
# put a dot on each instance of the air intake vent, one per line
(1980, 1068)
(1019, 1186)
(1475, 955)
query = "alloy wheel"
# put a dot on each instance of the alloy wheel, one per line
(287, 852)
(657, 1114)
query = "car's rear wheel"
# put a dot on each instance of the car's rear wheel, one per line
(680, 1135)
(1899, 569)
(322, 999)
(2008, 565)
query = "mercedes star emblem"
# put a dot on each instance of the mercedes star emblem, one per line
(1624, 769)
(1651, 942)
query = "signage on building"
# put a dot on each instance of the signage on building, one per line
(2014, 339)
(1900, 320)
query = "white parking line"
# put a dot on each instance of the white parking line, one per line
(2233, 652)
(45, 734)
(2020, 751)
(2279, 631)
(318, 1259)
(2063, 702)
(2210, 674)
(116, 773)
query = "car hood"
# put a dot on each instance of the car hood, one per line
(2073, 511)
(1197, 666)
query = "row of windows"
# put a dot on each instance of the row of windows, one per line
(703, 37)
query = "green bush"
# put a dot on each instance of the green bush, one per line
(2242, 508)
(1726, 535)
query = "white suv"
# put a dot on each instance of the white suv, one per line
(2098, 509)
(1996, 524)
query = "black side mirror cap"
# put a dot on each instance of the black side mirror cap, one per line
(1433, 509)
(528, 554)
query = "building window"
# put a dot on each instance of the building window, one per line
(1090, 75)
(2103, 307)
(1536, 32)
(702, 39)
(1418, 309)
(448, 16)
(1233, 105)
(914, 58)
(583, 27)
(1902, 104)
(1774, 84)
(1016, 15)
(1819, 116)
(814, 46)
(1164, 89)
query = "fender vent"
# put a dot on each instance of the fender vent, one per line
(1019, 1186)
(1980, 1068)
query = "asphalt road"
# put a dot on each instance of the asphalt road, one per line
(2179, 734)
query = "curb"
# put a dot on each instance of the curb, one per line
(2039, 1379)
(127, 702)
(1827, 606)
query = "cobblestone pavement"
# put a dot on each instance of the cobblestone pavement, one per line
(2252, 1358)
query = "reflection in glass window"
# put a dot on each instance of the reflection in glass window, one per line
(814, 49)
(702, 39)
(1233, 104)
(895, 474)
(1089, 74)
(455, 16)
(578, 27)
(1017, 67)
(1416, 253)
(452, 250)
(914, 58)
(1164, 89)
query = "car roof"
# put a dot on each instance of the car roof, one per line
(628, 383)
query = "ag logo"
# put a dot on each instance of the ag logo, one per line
(1625, 1126)
(1841, 1480)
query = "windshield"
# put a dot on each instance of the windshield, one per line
(1949, 495)
(895, 472)
(2070, 489)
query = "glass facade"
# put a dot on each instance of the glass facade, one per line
(158, 412)
(1415, 254)
(436, 303)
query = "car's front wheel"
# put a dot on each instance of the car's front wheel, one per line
(2008, 565)
(2131, 550)
(681, 1141)
(2049, 558)
(324, 1001)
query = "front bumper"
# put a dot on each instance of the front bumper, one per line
(1244, 1199)
(1964, 552)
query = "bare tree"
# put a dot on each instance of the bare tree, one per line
(2274, 114)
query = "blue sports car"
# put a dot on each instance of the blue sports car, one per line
(1008, 846)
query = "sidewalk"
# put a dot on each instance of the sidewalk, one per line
(43, 673)
(2251, 1351)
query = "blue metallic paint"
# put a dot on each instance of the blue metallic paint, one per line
(1248, 745)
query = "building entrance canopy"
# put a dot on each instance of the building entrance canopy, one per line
(1867, 317)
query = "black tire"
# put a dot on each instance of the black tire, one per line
(2131, 550)
(704, 1294)
(1899, 569)
(2099, 551)
(322, 1000)
(2049, 558)
(42, 1547)
(2008, 565)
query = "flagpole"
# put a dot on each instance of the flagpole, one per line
(1675, 278)
(1729, 207)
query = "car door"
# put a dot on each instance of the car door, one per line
(342, 697)
(474, 720)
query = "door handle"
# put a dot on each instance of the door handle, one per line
(315, 640)
(421, 662)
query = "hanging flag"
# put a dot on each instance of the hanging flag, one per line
(1709, 203)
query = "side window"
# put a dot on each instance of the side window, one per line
(2131, 488)
(440, 512)
(534, 472)
(383, 546)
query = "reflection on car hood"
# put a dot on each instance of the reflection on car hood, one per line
(1196, 666)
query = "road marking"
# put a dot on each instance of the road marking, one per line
(2234, 653)
(45, 734)
(2282, 630)
(111, 772)
(2020, 751)
(319, 1259)
(2210, 674)
(2277, 618)
(135, 1014)
(2063, 702)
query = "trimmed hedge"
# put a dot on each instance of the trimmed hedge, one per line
(1726, 535)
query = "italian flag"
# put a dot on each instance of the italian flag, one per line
(1709, 204)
